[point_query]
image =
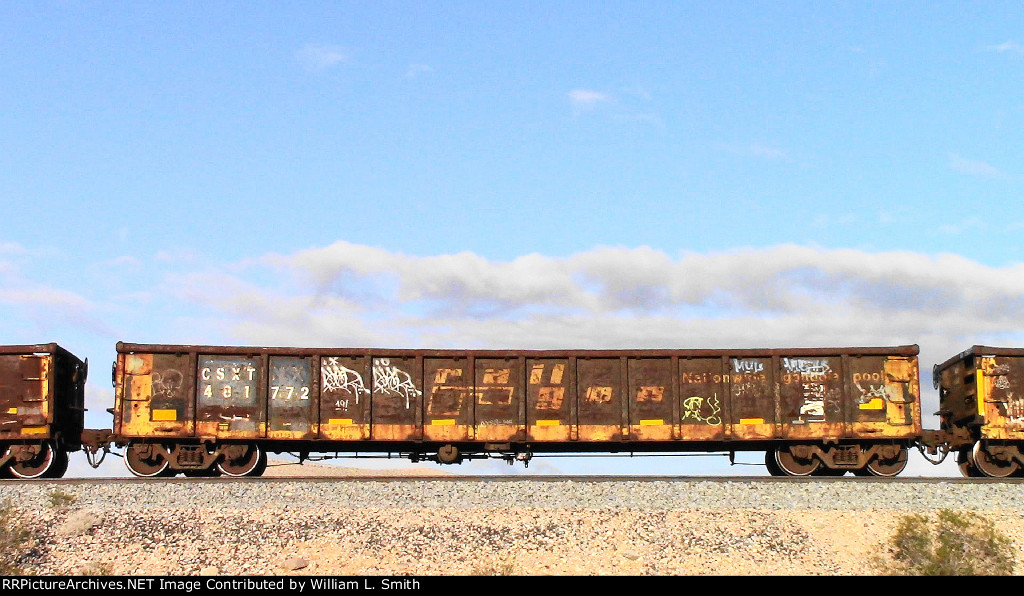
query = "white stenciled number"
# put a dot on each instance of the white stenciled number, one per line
(288, 392)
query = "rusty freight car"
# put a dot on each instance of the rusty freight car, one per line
(981, 411)
(42, 409)
(204, 410)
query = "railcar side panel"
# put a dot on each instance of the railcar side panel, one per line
(602, 410)
(551, 399)
(26, 393)
(449, 397)
(231, 396)
(653, 402)
(884, 396)
(293, 392)
(344, 397)
(157, 396)
(396, 407)
(811, 397)
(704, 399)
(1000, 380)
(753, 399)
(500, 407)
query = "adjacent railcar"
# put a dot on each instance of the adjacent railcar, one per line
(216, 409)
(981, 410)
(42, 409)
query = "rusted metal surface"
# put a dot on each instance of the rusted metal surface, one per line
(449, 395)
(601, 414)
(42, 395)
(443, 404)
(499, 399)
(983, 389)
(551, 399)
(345, 383)
(42, 409)
(27, 396)
(292, 398)
(154, 395)
(397, 398)
(230, 396)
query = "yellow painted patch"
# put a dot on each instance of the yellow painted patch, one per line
(443, 422)
(751, 420)
(12, 411)
(34, 430)
(340, 421)
(549, 422)
(165, 415)
(874, 404)
(652, 422)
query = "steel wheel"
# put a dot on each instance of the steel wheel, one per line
(38, 466)
(143, 462)
(60, 464)
(251, 463)
(990, 466)
(889, 467)
(965, 463)
(769, 463)
(793, 466)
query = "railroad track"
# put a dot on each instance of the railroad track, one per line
(458, 479)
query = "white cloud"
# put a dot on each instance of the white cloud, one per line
(416, 70)
(756, 150)
(315, 58)
(356, 295)
(1007, 46)
(585, 98)
(974, 167)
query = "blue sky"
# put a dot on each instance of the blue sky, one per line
(525, 175)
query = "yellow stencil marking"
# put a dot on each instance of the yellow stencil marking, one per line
(652, 422)
(874, 404)
(443, 422)
(549, 422)
(340, 421)
(165, 415)
(751, 420)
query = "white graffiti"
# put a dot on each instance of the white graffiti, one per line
(746, 366)
(806, 366)
(814, 401)
(389, 379)
(692, 409)
(871, 392)
(338, 378)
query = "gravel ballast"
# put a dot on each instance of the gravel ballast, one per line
(435, 527)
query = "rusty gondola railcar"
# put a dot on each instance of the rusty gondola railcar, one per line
(42, 409)
(981, 410)
(204, 410)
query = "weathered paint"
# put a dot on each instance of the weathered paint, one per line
(500, 407)
(527, 397)
(230, 396)
(293, 411)
(26, 395)
(652, 399)
(156, 399)
(344, 399)
(397, 398)
(449, 396)
(550, 399)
